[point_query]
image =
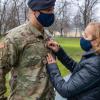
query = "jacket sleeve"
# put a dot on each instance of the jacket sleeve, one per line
(7, 60)
(79, 82)
(66, 60)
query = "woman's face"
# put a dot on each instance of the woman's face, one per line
(88, 34)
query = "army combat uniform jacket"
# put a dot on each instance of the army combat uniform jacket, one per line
(23, 51)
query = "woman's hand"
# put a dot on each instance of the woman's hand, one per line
(50, 59)
(54, 46)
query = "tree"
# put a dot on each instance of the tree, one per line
(78, 23)
(87, 9)
(12, 14)
(62, 17)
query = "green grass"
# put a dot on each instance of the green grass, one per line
(72, 48)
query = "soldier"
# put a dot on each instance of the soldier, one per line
(23, 51)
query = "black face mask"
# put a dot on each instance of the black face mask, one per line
(46, 20)
(85, 44)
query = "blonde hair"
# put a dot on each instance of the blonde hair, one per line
(96, 35)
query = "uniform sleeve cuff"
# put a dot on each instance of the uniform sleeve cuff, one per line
(52, 67)
(60, 52)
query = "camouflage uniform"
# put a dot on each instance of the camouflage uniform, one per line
(23, 51)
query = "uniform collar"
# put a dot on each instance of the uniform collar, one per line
(34, 30)
(45, 34)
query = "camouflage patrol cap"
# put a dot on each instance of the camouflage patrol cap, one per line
(41, 4)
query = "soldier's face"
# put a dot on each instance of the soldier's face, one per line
(48, 11)
(45, 17)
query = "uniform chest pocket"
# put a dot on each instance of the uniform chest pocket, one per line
(41, 49)
(33, 54)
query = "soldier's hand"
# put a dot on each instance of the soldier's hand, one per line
(54, 46)
(50, 59)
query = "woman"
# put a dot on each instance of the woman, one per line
(84, 83)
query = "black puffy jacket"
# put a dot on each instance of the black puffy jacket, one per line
(84, 83)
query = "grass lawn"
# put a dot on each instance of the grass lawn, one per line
(72, 48)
